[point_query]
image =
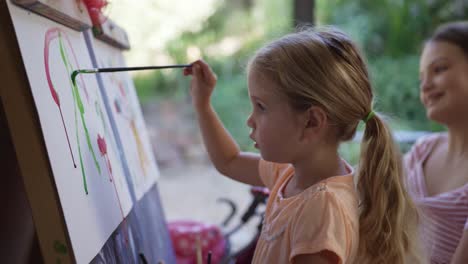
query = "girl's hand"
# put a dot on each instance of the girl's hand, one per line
(202, 84)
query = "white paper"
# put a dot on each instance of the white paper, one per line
(130, 123)
(90, 218)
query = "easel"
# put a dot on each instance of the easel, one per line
(27, 171)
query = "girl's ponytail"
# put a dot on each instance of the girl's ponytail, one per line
(388, 217)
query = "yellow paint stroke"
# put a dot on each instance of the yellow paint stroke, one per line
(144, 162)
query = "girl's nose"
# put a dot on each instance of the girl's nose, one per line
(426, 84)
(250, 121)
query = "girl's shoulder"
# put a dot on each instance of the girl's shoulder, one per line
(427, 142)
(272, 172)
(338, 221)
(338, 194)
(422, 148)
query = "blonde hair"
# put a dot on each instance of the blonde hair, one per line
(323, 67)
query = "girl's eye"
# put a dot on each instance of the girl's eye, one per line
(260, 106)
(440, 68)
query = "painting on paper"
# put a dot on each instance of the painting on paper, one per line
(129, 119)
(81, 147)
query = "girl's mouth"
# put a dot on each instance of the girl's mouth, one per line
(433, 97)
(255, 142)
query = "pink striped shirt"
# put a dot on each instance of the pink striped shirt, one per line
(444, 216)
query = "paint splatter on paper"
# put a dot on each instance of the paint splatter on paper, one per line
(130, 123)
(85, 164)
(55, 34)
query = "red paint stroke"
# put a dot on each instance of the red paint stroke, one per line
(51, 34)
(117, 106)
(122, 90)
(119, 84)
(103, 149)
(101, 141)
(56, 33)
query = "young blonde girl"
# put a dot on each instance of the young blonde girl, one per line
(309, 90)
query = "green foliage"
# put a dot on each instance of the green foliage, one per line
(350, 151)
(390, 33)
(168, 83)
(396, 87)
(252, 24)
(389, 27)
(233, 106)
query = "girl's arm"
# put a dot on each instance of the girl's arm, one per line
(461, 254)
(222, 148)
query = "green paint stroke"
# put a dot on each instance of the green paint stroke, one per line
(73, 76)
(60, 248)
(101, 115)
(82, 111)
(76, 72)
(78, 104)
(65, 61)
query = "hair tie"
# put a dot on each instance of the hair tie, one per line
(369, 116)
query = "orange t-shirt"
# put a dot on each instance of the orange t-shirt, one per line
(322, 217)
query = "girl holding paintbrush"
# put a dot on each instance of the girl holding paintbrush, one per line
(309, 91)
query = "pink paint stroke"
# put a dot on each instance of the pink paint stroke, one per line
(101, 141)
(51, 34)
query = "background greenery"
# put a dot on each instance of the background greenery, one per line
(390, 32)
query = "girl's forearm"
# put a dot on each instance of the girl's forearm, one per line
(221, 147)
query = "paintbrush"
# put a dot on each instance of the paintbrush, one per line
(198, 248)
(96, 70)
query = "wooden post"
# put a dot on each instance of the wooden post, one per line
(304, 12)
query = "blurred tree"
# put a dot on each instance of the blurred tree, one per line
(392, 28)
(391, 34)
(247, 5)
(226, 40)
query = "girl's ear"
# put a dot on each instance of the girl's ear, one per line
(315, 120)
(315, 117)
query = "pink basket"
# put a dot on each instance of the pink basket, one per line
(184, 236)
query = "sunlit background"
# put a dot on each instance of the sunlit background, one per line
(226, 33)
